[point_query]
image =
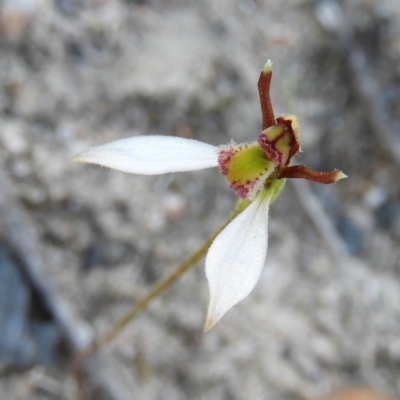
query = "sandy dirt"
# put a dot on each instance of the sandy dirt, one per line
(76, 73)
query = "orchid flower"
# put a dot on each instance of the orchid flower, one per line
(256, 172)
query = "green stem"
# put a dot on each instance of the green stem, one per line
(157, 289)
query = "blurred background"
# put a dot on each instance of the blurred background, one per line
(80, 244)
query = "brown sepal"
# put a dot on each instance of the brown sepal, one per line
(301, 171)
(264, 84)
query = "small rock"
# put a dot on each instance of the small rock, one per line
(13, 138)
(28, 334)
(17, 349)
(325, 351)
(174, 205)
(34, 196)
(13, 26)
(357, 394)
(21, 169)
(374, 197)
(329, 15)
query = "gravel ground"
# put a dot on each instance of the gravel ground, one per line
(76, 73)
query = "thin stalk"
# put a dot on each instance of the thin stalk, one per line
(156, 291)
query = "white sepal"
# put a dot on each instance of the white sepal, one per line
(236, 258)
(152, 155)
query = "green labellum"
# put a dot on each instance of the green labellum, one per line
(245, 167)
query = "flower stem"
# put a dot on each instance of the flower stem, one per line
(157, 289)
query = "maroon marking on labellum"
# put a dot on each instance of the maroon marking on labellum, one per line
(267, 112)
(242, 191)
(301, 171)
(224, 157)
(267, 184)
(269, 149)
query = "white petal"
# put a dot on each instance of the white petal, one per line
(151, 155)
(236, 258)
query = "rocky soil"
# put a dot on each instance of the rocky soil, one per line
(76, 73)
